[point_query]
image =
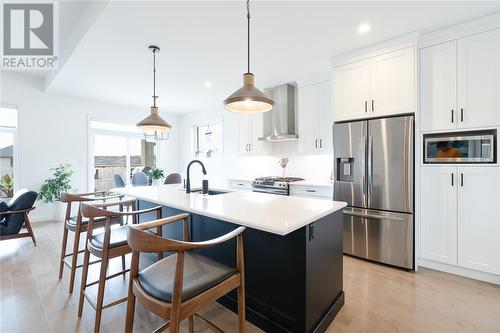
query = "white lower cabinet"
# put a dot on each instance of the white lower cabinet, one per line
(312, 191)
(439, 214)
(460, 216)
(479, 219)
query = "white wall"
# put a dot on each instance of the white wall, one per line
(53, 129)
(231, 164)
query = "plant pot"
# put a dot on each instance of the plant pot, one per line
(157, 182)
(58, 211)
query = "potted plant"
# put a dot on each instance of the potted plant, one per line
(52, 188)
(7, 186)
(156, 175)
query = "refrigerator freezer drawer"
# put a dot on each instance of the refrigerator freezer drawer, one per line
(385, 237)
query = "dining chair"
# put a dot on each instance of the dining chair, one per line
(78, 225)
(119, 182)
(178, 286)
(106, 245)
(14, 216)
(173, 178)
(140, 179)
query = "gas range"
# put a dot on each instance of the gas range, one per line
(274, 185)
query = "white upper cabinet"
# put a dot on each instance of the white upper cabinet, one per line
(439, 214)
(351, 90)
(380, 85)
(460, 83)
(392, 83)
(251, 128)
(438, 88)
(315, 124)
(478, 66)
(479, 218)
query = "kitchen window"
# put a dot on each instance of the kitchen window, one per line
(8, 152)
(208, 139)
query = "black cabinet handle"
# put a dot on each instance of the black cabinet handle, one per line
(462, 179)
(452, 111)
(313, 191)
(316, 143)
(240, 184)
(321, 143)
(452, 180)
(366, 106)
(373, 107)
(311, 232)
(462, 115)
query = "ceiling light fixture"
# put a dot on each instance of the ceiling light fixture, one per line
(364, 28)
(208, 85)
(248, 99)
(153, 125)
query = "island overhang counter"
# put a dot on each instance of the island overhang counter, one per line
(292, 246)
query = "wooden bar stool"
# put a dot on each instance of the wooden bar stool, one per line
(78, 225)
(106, 245)
(178, 286)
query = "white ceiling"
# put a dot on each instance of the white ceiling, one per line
(206, 41)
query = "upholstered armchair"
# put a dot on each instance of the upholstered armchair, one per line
(14, 216)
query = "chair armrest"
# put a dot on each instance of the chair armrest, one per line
(17, 211)
(160, 222)
(114, 203)
(187, 246)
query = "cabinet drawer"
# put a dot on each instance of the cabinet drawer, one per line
(312, 191)
(245, 185)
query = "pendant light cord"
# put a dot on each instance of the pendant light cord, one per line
(248, 36)
(154, 78)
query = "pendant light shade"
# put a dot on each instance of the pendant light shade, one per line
(153, 124)
(249, 98)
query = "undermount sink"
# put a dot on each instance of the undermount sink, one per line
(210, 192)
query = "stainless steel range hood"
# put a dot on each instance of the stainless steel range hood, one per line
(279, 123)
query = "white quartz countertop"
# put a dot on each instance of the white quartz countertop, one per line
(267, 212)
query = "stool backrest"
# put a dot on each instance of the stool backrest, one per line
(119, 182)
(173, 178)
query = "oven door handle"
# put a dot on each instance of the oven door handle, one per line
(271, 191)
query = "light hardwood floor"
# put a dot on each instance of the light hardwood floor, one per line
(378, 298)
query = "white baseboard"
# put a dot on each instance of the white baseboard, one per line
(470, 273)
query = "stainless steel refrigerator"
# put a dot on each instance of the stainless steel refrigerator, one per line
(373, 173)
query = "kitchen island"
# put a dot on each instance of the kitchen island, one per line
(293, 250)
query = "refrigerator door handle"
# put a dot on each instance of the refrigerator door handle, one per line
(370, 168)
(373, 216)
(364, 185)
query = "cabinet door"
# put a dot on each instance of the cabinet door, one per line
(439, 214)
(479, 80)
(244, 133)
(392, 83)
(256, 146)
(479, 218)
(351, 90)
(315, 118)
(438, 87)
(325, 118)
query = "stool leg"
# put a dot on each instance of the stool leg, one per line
(85, 271)
(190, 324)
(100, 293)
(63, 251)
(129, 323)
(74, 259)
(123, 263)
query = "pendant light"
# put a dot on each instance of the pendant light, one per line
(248, 99)
(153, 125)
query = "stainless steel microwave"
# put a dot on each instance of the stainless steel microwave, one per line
(460, 147)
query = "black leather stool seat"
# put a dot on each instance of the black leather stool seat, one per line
(200, 274)
(85, 220)
(118, 238)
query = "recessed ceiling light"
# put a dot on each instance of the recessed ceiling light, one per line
(364, 28)
(208, 84)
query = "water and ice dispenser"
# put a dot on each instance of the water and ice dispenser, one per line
(345, 169)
